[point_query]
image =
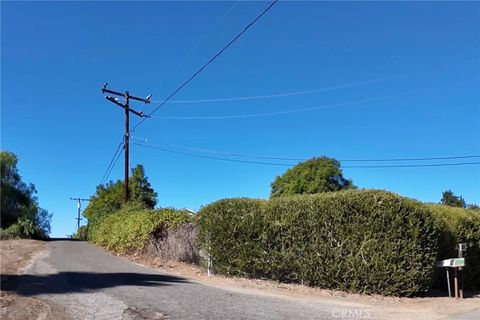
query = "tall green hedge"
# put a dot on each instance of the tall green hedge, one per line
(360, 241)
(232, 231)
(129, 229)
(459, 225)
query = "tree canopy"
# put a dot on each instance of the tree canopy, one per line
(452, 200)
(109, 198)
(20, 212)
(316, 175)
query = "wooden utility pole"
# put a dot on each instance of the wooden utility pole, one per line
(126, 107)
(79, 205)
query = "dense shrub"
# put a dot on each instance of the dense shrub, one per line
(459, 225)
(82, 233)
(129, 229)
(360, 241)
(232, 231)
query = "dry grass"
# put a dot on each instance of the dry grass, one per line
(174, 245)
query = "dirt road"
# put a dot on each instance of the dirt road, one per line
(16, 255)
(79, 281)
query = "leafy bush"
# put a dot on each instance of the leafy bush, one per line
(360, 241)
(82, 233)
(129, 229)
(231, 230)
(20, 213)
(459, 225)
(6, 234)
(310, 177)
(24, 228)
(109, 198)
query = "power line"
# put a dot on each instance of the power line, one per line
(266, 114)
(205, 36)
(291, 165)
(416, 165)
(208, 62)
(303, 92)
(113, 165)
(303, 159)
(211, 157)
(107, 172)
(286, 94)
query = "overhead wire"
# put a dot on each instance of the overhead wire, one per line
(275, 113)
(205, 65)
(203, 38)
(243, 155)
(291, 165)
(286, 94)
(112, 162)
(309, 91)
(113, 165)
(210, 157)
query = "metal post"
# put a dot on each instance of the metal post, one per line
(448, 283)
(209, 265)
(455, 282)
(460, 255)
(209, 257)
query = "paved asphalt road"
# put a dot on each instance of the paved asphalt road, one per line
(89, 283)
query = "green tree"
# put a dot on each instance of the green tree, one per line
(109, 198)
(312, 176)
(20, 213)
(452, 200)
(140, 189)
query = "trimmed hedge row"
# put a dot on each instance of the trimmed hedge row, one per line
(129, 229)
(459, 225)
(366, 241)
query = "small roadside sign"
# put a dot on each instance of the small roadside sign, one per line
(455, 262)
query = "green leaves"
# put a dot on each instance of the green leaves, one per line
(313, 176)
(21, 214)
(366, 241)
(459, 225)
(129, 229)
(109, 198)
(450, 199)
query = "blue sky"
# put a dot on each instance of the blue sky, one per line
(424, 58)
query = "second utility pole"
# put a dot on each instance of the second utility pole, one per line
(79, 205)
(127, 109)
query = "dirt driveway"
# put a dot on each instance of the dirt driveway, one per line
(15, 257)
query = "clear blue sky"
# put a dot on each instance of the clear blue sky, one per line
(56, 56)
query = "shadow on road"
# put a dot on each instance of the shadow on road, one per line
(76, 282)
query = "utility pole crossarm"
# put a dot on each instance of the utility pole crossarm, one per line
(126, 107)
(81, 199)
(144, 100)
(125, 94)
(115, 100)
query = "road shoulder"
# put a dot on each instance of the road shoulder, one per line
(17, 256)
(429, 308)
